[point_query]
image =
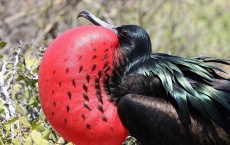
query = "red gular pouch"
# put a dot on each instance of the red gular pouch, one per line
(71, 89)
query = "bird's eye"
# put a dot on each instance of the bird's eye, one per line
(124, 33)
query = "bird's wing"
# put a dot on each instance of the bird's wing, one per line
(191, 85)
(153, 121)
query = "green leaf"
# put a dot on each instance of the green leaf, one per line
(35, 124)
(16, 141)
(24, 121)
(20, 109)
(2, 44)
(45, 134)
(44, 142)
(41, 128)
(32, 101)
(12, 120)
(7, 127)
(1, 142)
(36, 137)
(28, 141)
(1, 108)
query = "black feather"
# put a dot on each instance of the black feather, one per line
(191, 85)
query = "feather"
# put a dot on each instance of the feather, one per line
(188, 81)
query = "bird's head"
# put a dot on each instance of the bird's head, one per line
(133, 39)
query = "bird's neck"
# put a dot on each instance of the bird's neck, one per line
(113, 79)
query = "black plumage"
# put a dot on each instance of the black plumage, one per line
(164, 99)
(198, 106)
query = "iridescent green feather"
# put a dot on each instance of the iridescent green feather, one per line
(172, 71)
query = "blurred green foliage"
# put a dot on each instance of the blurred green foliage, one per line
(179, 27)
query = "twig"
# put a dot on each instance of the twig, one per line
(6, 85)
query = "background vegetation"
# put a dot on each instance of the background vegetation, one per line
(179, 27)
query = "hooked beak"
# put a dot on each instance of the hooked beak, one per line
(93, 19)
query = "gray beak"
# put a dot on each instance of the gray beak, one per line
(93, 19)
